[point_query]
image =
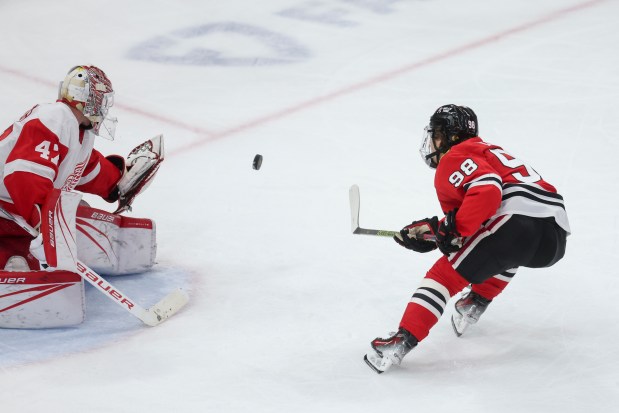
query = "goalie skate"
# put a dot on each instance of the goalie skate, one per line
(389, 351)
(468, 310)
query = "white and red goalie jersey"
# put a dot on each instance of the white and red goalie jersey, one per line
(482, 181)
(47, 149)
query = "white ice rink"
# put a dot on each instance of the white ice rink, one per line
(284, 299)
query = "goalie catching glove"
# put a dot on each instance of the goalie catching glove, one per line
(138, 171)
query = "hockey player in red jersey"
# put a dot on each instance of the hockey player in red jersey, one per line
(499, 215)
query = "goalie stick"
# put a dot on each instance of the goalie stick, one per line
(355, 206)
(155, 315)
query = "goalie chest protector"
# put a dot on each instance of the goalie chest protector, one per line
(41, 299)
(113, 244)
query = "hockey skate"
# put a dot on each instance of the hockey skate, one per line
(389, 351)
(468, 310)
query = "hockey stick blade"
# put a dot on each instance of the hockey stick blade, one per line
(166, 307)
(355, 207)
(353, 195)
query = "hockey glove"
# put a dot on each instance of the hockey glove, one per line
(38, 251)
(142, 164)
(119, 162)
(447, 237)
(412, 236)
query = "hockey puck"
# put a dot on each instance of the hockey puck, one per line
(257, 162)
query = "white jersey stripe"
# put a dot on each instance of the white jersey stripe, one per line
(22, 165)
(90, 176)
(522, 188)
(427, 306)
(525, 206)
(435, 285)
(495, 183)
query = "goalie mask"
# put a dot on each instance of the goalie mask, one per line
(449, 125)
(88, 89)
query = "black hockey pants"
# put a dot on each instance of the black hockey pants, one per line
(522, 241)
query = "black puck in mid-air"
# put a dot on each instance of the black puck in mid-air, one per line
(257, 162)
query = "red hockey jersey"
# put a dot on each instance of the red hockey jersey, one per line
(46, 149)
(482, 181)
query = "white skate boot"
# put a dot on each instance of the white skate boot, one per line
(468, 310)
(389, 351)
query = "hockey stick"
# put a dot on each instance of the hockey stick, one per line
(355, 206)
(164, 309)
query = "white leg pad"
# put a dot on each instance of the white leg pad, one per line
(58, 229)
(113, 244)
(41, 299)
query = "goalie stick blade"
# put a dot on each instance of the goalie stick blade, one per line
(166, 308)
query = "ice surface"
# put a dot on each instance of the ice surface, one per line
(284, 300)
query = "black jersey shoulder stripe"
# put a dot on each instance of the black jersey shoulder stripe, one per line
(486, 179)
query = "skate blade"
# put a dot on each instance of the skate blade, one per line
(459, 324)
(377, 363)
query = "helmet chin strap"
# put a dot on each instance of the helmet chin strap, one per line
(433, 154)
(442, 150)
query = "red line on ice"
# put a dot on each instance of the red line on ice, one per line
(385, 76)
(131, 109)
(209, 136)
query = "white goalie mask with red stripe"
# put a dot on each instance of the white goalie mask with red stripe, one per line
(89, 90)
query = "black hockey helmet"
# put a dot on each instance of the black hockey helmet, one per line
(454, 123)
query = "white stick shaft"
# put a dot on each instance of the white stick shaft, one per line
(114, 293)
